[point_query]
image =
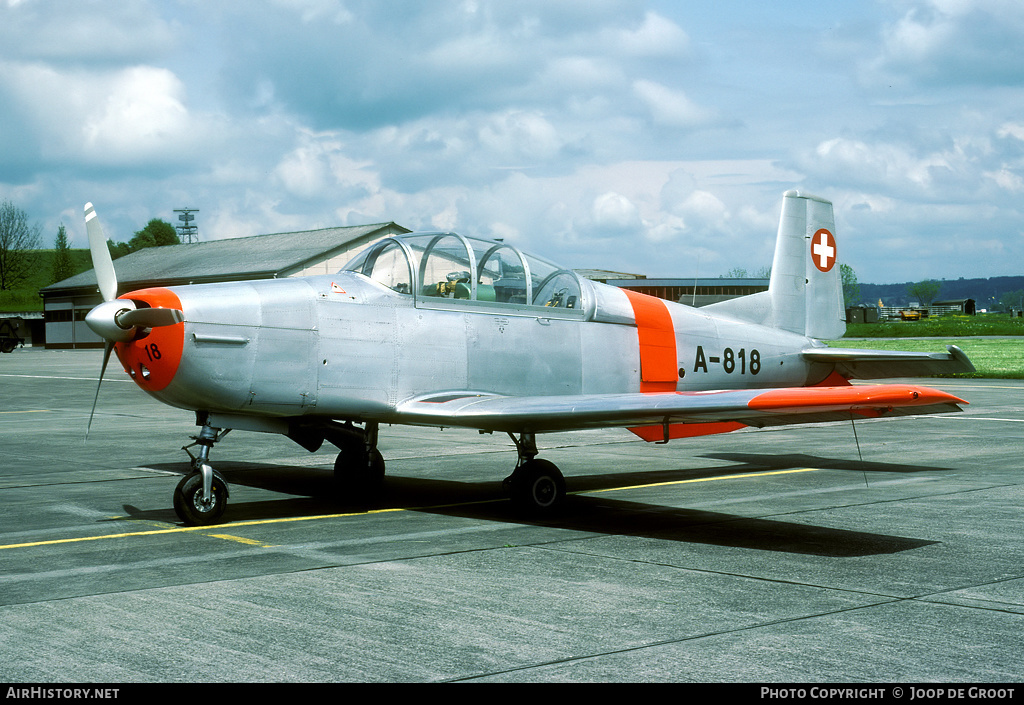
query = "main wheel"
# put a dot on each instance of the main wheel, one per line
(538, 486)
(189, 504)
(357, 477)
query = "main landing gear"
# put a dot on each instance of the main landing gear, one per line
(201, 496)
(536, 486)
(359, 467)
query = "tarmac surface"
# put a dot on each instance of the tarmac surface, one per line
(759, 556)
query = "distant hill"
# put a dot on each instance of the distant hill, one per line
(26, 298)
(985, 292)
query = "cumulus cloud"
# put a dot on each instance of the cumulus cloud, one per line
(900, 168)
(603, 133)
(670, 107)
(319, 168)
(128, 116)
(613, 213)
(952, 42)
(70, 30)
(1012, 129)
(520, 135)
(656, 36)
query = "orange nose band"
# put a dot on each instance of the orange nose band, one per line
(152, 359)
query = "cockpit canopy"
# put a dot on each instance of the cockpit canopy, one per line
(432, 267)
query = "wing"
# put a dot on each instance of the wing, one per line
(877, 364)
(673, 414)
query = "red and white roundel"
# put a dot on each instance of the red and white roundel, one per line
(823, 250)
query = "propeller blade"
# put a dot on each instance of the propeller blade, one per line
(150, 317)
(107, 348)
(101, 260)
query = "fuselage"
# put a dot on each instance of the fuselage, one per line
(348, 347)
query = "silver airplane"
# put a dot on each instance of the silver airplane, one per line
(437, 329)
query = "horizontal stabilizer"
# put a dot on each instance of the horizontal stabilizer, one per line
(880, 364)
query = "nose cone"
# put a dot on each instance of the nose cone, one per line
(103, 320)
(152, 359)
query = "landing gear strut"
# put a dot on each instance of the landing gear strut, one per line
(202, 495)
(536, 485)
(359, 467)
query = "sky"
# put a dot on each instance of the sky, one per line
(644, 136)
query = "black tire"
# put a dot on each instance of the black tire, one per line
(354, 477)
(188, 500)
(538, 487)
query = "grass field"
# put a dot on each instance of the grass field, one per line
(998, 358)
(942, 327)
(26, 297)
(993, 357)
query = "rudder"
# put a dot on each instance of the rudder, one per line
(805, 293)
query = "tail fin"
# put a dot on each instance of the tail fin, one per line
(805, 294)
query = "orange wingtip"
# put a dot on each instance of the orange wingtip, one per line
(851, 397)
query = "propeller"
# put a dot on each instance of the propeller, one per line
(115, 320)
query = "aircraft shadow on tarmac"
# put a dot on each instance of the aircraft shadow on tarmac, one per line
(312, 493)
(766, 461)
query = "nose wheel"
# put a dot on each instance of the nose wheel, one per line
(202, 496)
(192, 507)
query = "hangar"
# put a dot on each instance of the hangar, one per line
(692, 292)
(273, 256)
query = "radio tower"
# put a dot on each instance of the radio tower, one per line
(187, 232)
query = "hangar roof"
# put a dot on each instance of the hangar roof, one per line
(230, 259)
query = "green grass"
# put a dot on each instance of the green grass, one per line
(941, 327)
(993, 358)
(20, 300)
(26, 297)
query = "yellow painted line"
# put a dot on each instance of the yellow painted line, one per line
(239, 539)
(26, 411)
(706, 479)
(182, 530)
(319, 517)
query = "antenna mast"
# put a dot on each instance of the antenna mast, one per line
(187, 232)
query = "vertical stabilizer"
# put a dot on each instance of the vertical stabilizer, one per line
(805, 294)
(806, 291)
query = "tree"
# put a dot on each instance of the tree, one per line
(1012, 300)
(924, 291)
(62, 265)
(17, 238)
(735, 273)
(851, 288)
(157, 233)
(118, 249)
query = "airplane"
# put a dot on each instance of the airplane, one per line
(441, 330)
